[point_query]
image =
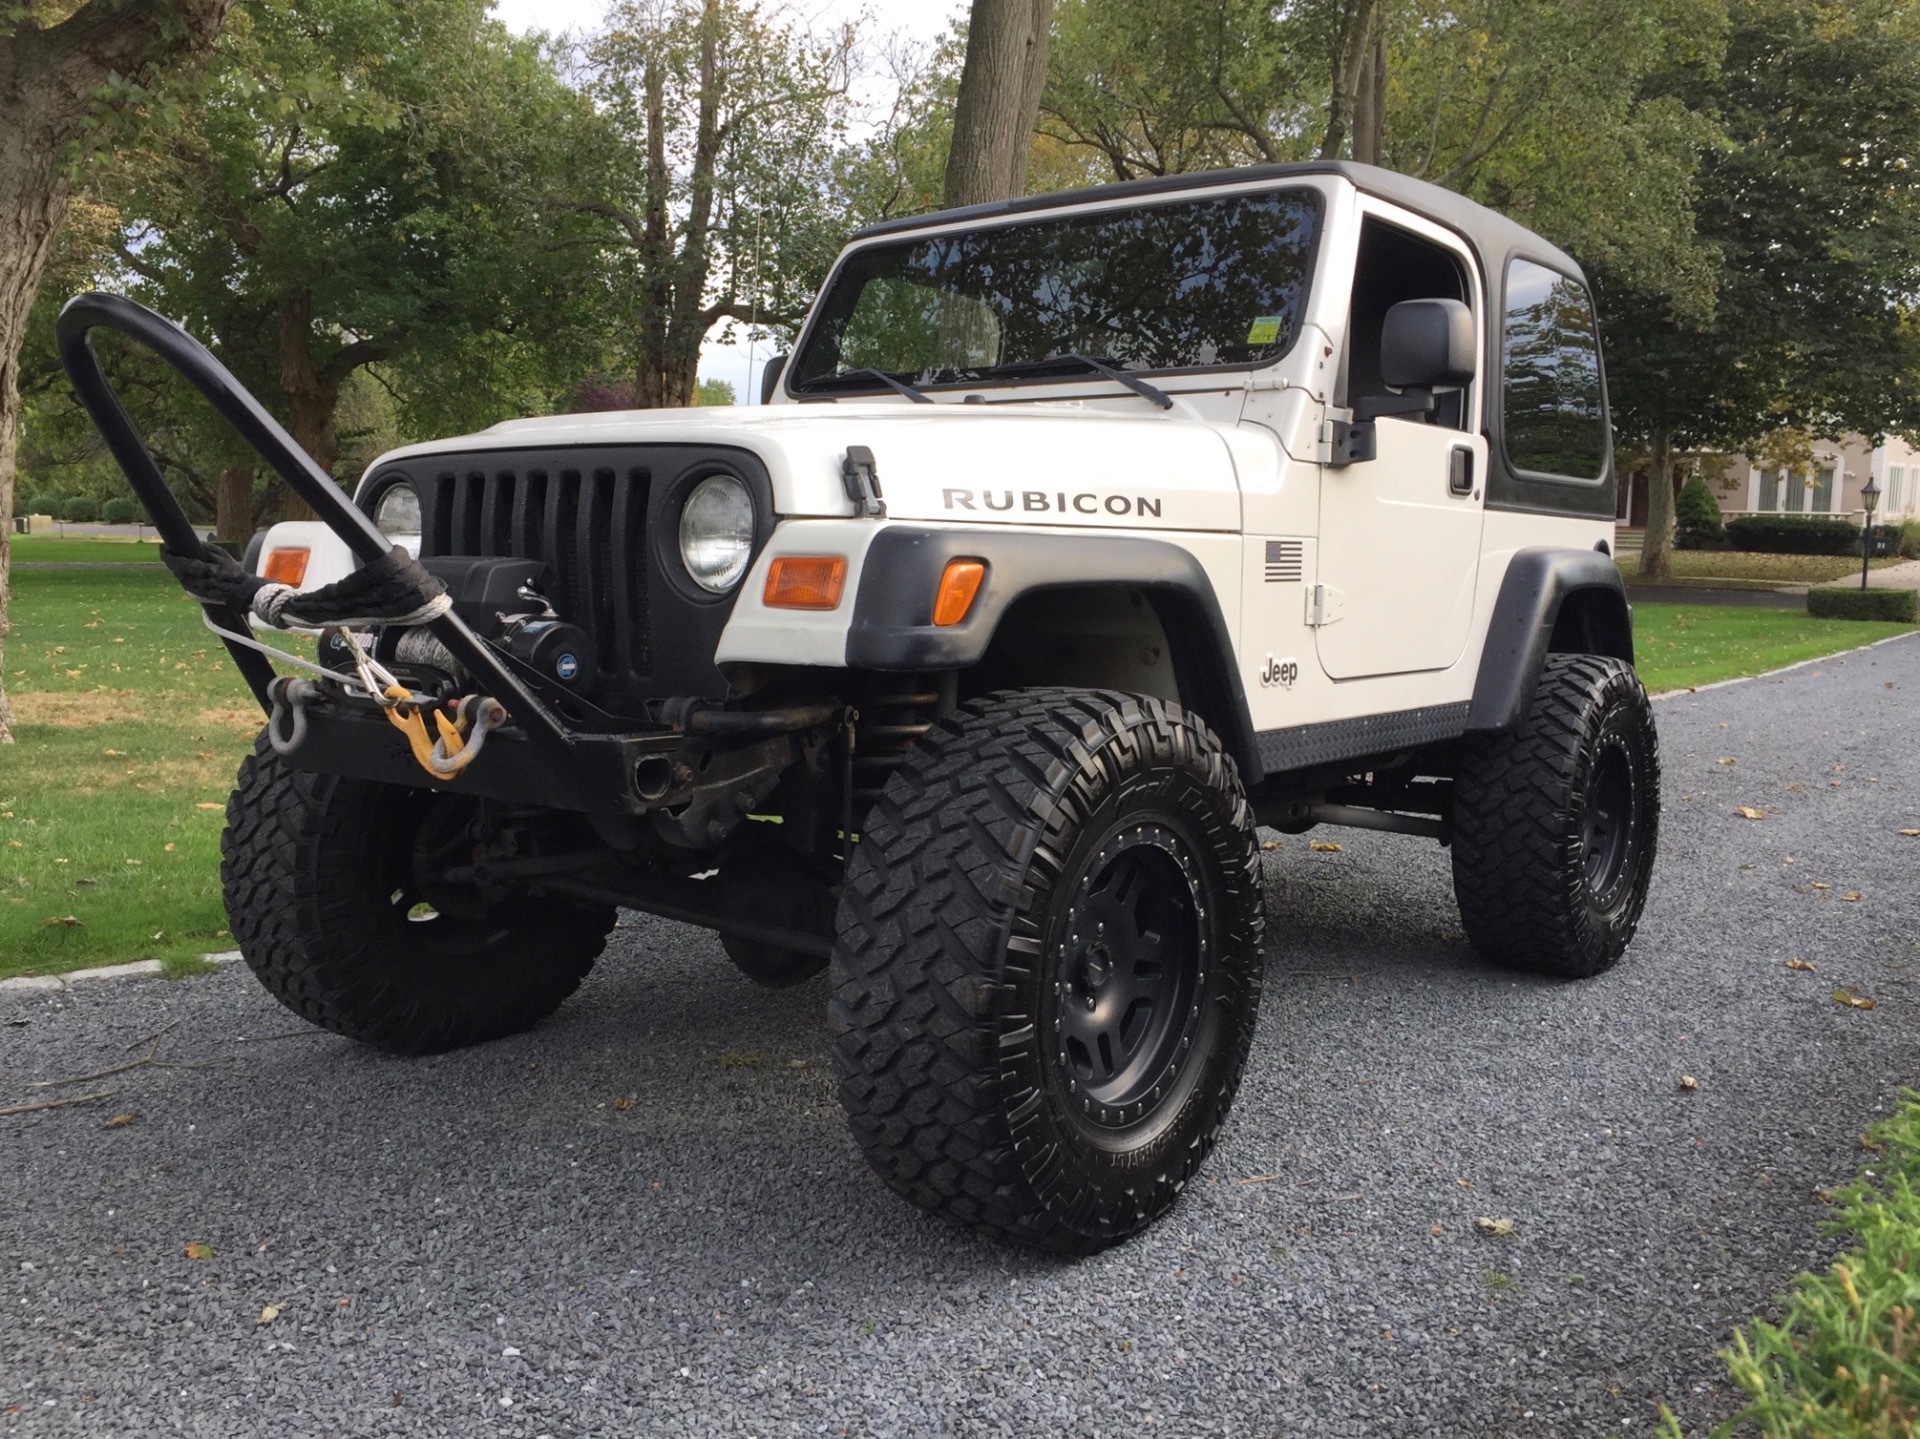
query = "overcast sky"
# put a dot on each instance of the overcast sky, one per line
(921, 20)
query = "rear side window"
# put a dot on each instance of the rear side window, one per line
(1555, 416)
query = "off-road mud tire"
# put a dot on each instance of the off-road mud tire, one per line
(1540, 884)
(954, 966)
(307, 867)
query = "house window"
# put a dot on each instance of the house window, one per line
(1896, 488)
(1770, 492)
(1821, 497)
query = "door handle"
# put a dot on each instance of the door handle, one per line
(1460, 471)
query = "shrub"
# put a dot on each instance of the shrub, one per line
(1793, 535)
(44, 504)
(81, 509)
(120, 510)
(1910, 540)
(1843, 602)
(1841, 1362)
(1697, 522)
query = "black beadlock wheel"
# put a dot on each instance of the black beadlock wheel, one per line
(1048, 966)
(1556, 823)
(320, 877)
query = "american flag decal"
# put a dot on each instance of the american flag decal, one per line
(1285, 561)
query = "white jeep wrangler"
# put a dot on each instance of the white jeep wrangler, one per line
(1081, 535)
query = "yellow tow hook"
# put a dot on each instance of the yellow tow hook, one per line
(454, 752)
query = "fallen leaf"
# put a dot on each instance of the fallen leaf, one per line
(271, 1312)
(1747, 811)
(208, 804)
(1852, 896)
(1852, 1000)
(1911, 833)
(62, 919)
(1435, 1229)
(1689, 1083)
(623, 1103)
(120, 752)
(120, 1121)
(1796, 789)
(1498, 1228)
(198, 1250)
(204, 754)
(1322, 846)
(1275, 844)
(1802, 964)
(1726, 759)
(1818, 884)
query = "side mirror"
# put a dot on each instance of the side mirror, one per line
(770, 378)
(1427, 345)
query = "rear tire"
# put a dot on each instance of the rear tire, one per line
(318, 873)
(1049, 966)
(1556, 823)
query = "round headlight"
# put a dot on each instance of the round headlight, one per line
(716, 533)
(397, 516)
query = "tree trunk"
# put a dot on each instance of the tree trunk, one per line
(233, 513)
(1352, 54)
(48, 79)
(1370, 102)
(311, 397)
(1656, 554)
(999, 103)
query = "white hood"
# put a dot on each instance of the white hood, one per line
(1043, 464)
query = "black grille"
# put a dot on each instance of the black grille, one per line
(589, 514)
(587, 522)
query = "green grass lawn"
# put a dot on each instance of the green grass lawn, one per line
(89, 549)
(1745, 565)
(131, 722)
(1681, 645)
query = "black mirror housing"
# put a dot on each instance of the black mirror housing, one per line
(1428, 345)
(770, 378)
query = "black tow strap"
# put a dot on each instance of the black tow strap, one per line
(392, 590)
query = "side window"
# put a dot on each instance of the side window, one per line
(1555, 414)
(1395, 265)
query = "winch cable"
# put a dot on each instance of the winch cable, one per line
(392, 590)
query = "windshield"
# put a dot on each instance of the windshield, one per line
(1191, 284)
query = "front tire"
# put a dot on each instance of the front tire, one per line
(1556, 823)
(320, 877)
(1048, 966)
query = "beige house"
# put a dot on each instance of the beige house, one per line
(1830, 486)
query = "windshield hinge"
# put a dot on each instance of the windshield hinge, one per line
(1325, 605)
(862, 478)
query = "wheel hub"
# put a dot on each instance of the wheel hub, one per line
(1131, 959)
(1606, 830)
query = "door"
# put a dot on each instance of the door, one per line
(1400, 533)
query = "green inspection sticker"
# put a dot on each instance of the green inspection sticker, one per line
(1264, 331)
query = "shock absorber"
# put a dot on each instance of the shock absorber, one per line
(894, 715)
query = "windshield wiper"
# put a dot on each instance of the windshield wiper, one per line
(898, 386)
(1086, 362)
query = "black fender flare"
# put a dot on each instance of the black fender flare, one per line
(1526, 618)
(892, 624)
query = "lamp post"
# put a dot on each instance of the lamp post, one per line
(1870, 499)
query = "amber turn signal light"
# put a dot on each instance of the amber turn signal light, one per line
(958, 586)
(287, 567)
(805, 582)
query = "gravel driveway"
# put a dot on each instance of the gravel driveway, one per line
(647, 1218)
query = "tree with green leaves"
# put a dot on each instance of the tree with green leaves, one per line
(351, 184)
(715, 181)
(1812, 204)
(63, 65)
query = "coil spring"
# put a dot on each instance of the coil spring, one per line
(892, 721)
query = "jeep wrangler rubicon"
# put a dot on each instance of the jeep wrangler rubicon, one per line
(1080, 535)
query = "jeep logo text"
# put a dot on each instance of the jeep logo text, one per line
(1059, 502)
